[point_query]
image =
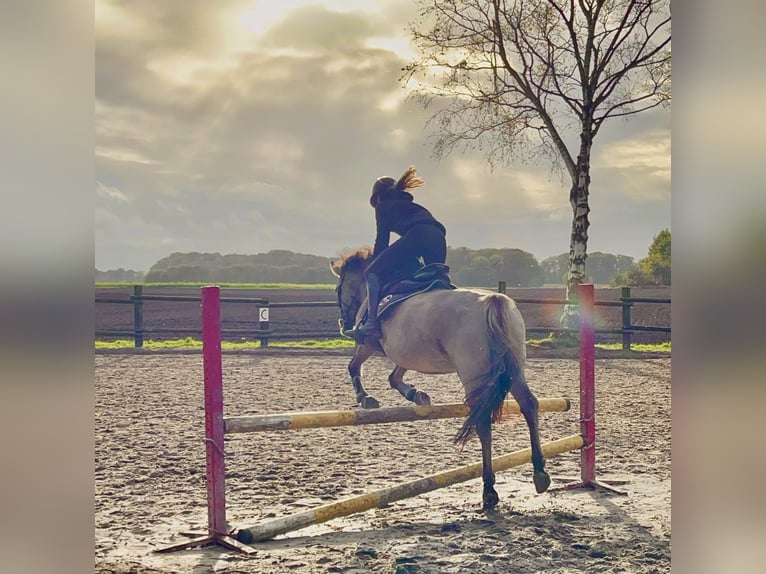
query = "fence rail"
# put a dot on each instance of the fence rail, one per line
(264, 332)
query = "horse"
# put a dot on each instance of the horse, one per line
(478, 334)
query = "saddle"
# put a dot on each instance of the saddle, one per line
(427, 278)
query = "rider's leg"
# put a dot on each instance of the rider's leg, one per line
(371, 327)
(383, 269)
(398, 261)
(430, 243)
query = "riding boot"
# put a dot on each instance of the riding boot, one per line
(371, 327)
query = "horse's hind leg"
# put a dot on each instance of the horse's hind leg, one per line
(409, 392)
(361, 354)
(528, 406)
(484, 430)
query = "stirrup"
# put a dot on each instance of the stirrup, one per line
(369, 329)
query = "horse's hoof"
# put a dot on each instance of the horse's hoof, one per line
(369, 403)
(542, 482)
(422, 399)
(490, 500)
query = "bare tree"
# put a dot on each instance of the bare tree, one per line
(513, 79)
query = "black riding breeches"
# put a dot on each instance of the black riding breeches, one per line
(422, 245)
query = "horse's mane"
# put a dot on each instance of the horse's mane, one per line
(353, 260)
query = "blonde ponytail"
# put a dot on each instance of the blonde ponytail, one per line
(409, 180)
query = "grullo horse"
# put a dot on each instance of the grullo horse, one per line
(479, 335)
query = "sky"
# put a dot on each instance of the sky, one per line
(241, 127)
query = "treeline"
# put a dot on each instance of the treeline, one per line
(277, 266)
(119, 276)
(485, 267)
(468, 267)
(482, 267)
(654, 269)
(619, 270)
(600, 268)
(474, 267)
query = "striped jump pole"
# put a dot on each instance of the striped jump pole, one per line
(320, 419)
(384, 496)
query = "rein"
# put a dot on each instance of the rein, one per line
(347, 311)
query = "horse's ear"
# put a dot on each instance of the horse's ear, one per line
(335, 268)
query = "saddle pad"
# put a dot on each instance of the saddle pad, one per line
(392, 299)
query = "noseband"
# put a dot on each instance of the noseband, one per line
(348, 310)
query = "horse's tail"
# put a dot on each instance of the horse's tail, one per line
(507, 353)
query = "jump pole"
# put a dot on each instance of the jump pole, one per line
(350, 417)
(385, 496)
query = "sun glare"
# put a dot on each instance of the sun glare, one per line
(261, 15)
(650, 153)
(116, 21)
(399, 45)
(187, 70)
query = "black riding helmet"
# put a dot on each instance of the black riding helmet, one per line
(381, 187)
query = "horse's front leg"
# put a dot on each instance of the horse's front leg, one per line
(361, 354)
(409, 392)
(528, 406)
(489, 495)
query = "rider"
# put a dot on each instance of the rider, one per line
(422, 240)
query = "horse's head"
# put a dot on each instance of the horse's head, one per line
(349, 269)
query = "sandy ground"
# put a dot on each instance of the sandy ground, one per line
(150, 472)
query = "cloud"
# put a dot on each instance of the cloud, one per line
(224, 138)
(524, 193)
(110, 193)
(314, 28)
(638, 168)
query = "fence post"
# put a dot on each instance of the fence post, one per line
(626, 334)
(263, 317)
(138, 315)
(501, 287)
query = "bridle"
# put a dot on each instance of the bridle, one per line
(348, 308)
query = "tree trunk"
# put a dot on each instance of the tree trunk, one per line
(578, 239)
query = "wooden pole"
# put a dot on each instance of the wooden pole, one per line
(384, 496)
(318, 419)
(626, 334)
(138, 316)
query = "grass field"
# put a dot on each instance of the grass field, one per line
(222, 285)
(191, 343)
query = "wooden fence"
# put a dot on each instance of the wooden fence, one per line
(264, 333)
